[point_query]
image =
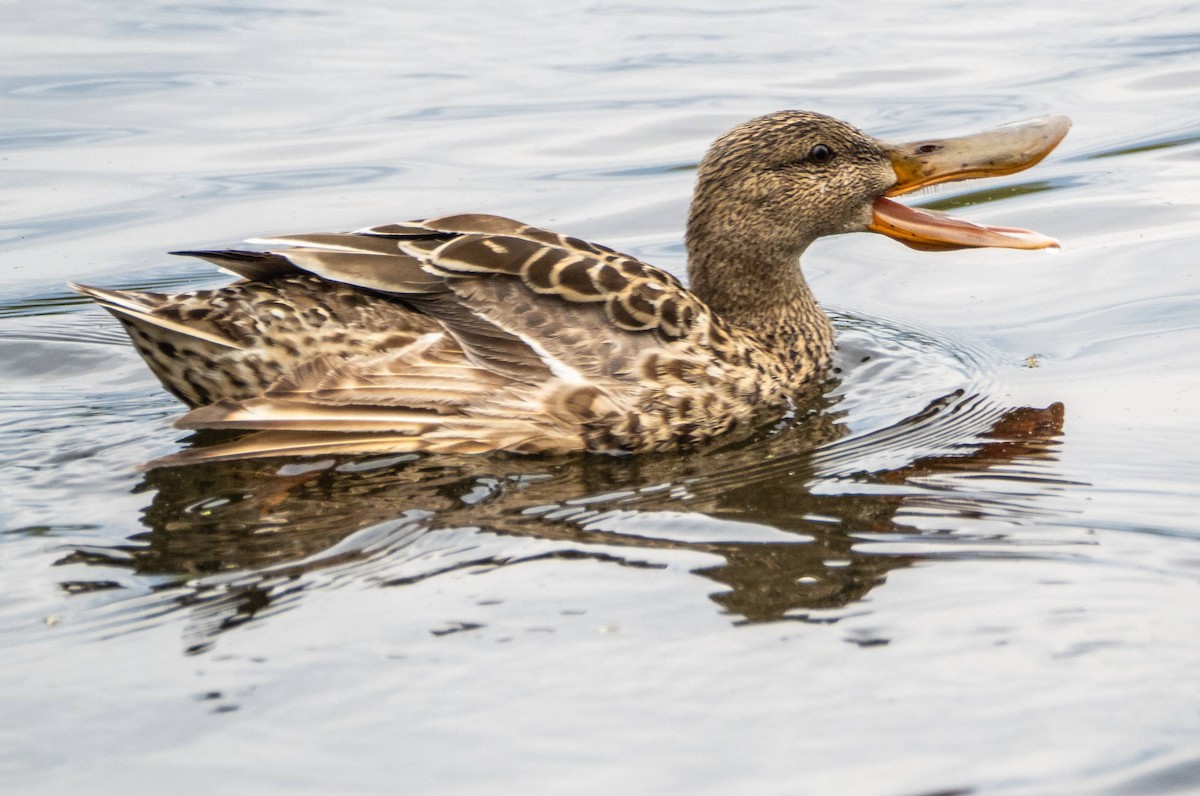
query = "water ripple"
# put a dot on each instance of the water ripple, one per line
(112, 86)
(292, 180)
(62, 136)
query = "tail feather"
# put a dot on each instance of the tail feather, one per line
(139, 308)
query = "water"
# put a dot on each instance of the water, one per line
(977, 570)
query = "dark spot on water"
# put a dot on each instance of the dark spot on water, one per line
(869, 642)
(85, 586)
(457, 627)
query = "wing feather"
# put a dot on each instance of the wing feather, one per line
(540, 333)
(291, 443)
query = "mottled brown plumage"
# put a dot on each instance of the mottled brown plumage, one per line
(475, 333)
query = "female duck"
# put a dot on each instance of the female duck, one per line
(475, 333)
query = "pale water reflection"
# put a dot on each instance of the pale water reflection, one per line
(973, 568)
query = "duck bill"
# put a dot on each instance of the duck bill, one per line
(994, 153)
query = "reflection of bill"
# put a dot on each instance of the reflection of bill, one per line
(783, 513)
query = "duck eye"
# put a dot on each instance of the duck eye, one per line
(820, 154)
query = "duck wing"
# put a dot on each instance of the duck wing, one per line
(542, 334)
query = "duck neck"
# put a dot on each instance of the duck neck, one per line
(763, 292)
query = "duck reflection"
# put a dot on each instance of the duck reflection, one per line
(783, 516)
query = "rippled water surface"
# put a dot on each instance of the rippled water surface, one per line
(974, 569)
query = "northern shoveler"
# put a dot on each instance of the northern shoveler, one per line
(475, 333)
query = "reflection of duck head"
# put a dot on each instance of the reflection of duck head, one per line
(786, 541)
(475, 333)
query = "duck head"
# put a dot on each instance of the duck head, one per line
(771, 186)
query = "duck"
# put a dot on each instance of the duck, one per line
(475, 333)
